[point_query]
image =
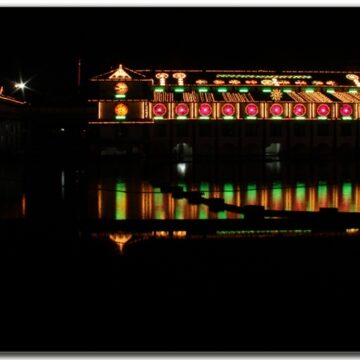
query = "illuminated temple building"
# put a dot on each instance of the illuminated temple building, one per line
(227, 112)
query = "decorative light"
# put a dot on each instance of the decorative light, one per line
(251, 109)
(299, 110)
(228, 109)
(205, 109)
(181, 109)
(276, 95)
(159, 109)
(354, 78)
(219, 82)
(346, 110)
(162, 78)
(276, 109)
(20, 86)
(331, 83)
(300, 82)
(121, 88)
(121, 109)
(275, 81)
(317, 83)
(323, 110)
(235, 82)
(266, 82)
(201, 82)
(180, 78)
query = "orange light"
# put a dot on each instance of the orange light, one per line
(121, 109)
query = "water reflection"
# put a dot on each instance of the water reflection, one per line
(144, 201)
(133, 191)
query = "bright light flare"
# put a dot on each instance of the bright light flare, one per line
(20, 86)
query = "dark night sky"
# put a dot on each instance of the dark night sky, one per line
(44, 43)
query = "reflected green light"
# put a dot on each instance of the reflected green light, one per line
(346, 118)
(159, 89)
(120, 117)
(229, 193)
(179, 209)
(244, 90)
(266, 90)
(203, 212)
(222, 89)
(277, 191)
(300, 191)
(204, 117)
(330, 91)
(309, 90)
(287, 90)
(347, 190)
(204, 187)
(159, 204)
(251, 192)
(352, 91)
(120, 210)
(120, 96)
(179, 89)
(322, 191)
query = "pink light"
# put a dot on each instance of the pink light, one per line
(323, 110)
(228, 110)
(299, 110)
(251, 109)
(182, 109)
(159, 109)
(276, 109)
(346, 110)
(205, 109)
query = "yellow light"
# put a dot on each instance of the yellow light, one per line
(121, 109)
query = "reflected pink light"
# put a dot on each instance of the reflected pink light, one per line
(182, 109)
(299, 110)
(323, 110)
(251, 109)
(159, 109)
(276, 109)
(346, 110)
(205, 109)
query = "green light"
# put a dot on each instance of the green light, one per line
(322, 118)
(322, 190)
(204, 187)
(120, 210)
(179, 89)
(266, 90)
(352, 91)
(277, 191)
(222, 215)
(204, 117)
(181, 117)
(203, 89)
(251, 192)
(222, 90)
(276, 117)
(120, 117)
(203, 212)
(229, 193)
(179, 210)
(159, 204)
(158, 118)
(250, 117)
(347, 118)
(309, 90)
(300, 191)
(287, 90)
(159, 89)
(300, 117)
(330, 91)
(347, 190)
(228, 117)
(120, 96)
(243, 89)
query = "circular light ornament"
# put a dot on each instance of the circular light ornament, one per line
(276, 109)
(181, 109)
(352, 77)
(267, 82)
(159, 109)
(205, 109)
(228, 110)
(121, 88)
(121, 109)
(346, 110)
(323, 110)
(251, 109)
(299, 110)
